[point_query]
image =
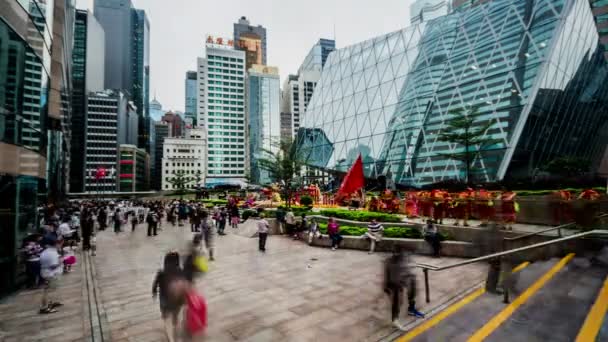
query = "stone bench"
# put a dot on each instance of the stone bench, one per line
(458, 249)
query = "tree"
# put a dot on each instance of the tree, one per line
(179, 182)
(568, 166)
(284, 166)
(463, 130)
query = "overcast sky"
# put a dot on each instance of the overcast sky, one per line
(178, 29)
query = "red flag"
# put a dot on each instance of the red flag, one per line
(354, 179)
(100, 173)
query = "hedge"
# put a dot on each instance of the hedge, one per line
(389, 232)
(360, 215)
(215, 201)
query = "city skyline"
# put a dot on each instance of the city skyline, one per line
(170, 57)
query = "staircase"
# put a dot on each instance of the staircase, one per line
(555, 300)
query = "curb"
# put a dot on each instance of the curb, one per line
(98, 320)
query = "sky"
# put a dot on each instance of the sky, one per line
(178, 29)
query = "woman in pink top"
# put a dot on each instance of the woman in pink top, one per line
(333, 230)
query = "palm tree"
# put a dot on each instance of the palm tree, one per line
(179, 182)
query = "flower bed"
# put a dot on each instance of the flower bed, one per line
(389, 232)
(360, 215)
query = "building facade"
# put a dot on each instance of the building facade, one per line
(221, 100)
(140, 92)
(298, 89)
(133, 169)
(425, 10)
(106, 116)
(156, 110)
(264, 118)
(176, 124)
(87, 76)
(187, 155)
(251, 38)
(161, 131)
(191, 91)
(538, 88)
(35, 47)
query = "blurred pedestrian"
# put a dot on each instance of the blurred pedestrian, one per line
(313, 231)
(51, 267)
(432, 236)
(374, 234)
(333, 230)
(208, 234)
(262, 232)
(398, 275)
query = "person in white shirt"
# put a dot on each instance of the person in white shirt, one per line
(262, 232)
(51, 266)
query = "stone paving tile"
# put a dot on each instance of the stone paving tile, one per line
(291, 293)
(20, 321)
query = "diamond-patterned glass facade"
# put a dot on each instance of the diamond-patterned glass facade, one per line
(534, 69)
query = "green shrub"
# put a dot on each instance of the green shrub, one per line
(249, 213)
(306, 201)
(215, 201)
(389, 232)
(361, 215)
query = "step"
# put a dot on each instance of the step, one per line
(595, 327)
(557, 310)
(477, 309)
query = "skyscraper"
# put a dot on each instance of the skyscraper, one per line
(141, 74)
(264, 117)
(191, 91)
(246, 37)
(156, 110)
(87, 76)
(116, 19)
(298, 89)
(222, 109)
(425, 10)
(32, 115)
(127, 52)
(161, 131)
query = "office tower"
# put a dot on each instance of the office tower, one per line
(538, 102)
(156, 110)
(161, 131)
(425, 10)
(116, 19)
(141, 74)
(127, 56)
(87, 76)
(133, 169)
(298, 89)
(221, 99)
(264, 117)
(176, 124)
(186, 154)
(246, 38)
(191, 91)
(107, 116)
(33, 118)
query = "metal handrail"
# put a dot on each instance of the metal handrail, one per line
(558, 228)
(426, 267)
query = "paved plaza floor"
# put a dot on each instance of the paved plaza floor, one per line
(293, 292)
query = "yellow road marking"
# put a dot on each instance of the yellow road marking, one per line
(450, 310)
(596, 315)
(495, 322)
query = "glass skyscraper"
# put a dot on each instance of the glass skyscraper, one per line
(264, 91)
(534, 69)
(191, 91)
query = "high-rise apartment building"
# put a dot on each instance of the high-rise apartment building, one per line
(161, 131)
(221, 101)
(34, 112)
(425, 10)
(251, 39)
(108, 112)
(127, 45)
(185, 155)
(87, 76)
(264, 117)
(191, 91)
(298, 89)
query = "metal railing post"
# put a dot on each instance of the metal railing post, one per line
(426, 285)
(559, 231)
